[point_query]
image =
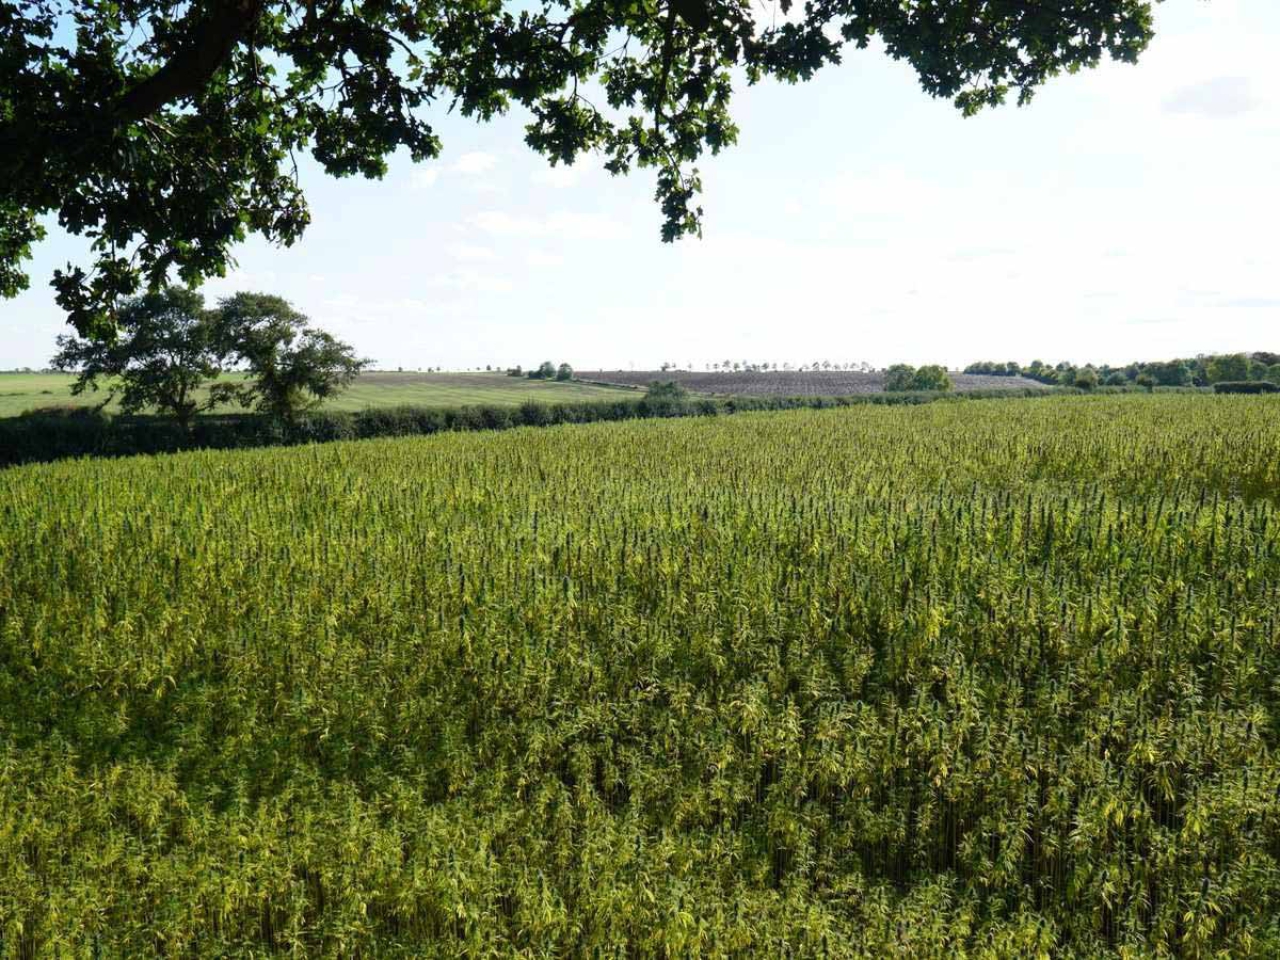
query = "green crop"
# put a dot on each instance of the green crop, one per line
(996, 679)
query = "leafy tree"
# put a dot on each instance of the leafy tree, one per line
(994, 368)
(168, 131)
(1231, 367)
(1146, 381)
(516, 371)
(564, 372)
(931, 377)
(546, 371)
(292, 366)
(1116, 378)
(166, 350)
(902, 376)
(899, 377)
(1171, 373)
(1086, 378)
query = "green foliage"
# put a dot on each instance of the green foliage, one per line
(1146, 381)
(170, 131)
(1245, 386)
(964, 679)
(166, 349)
(292, 366)
(564, 372)
(931, 377)
(545, 371)
(1172, 373)
(667, 390)
(990, 368)
(1086, 378)
(1232, 367)
(902, 377)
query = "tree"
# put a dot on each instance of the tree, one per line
(292, 366)
(168, 131)
(1086, 378)
(546, 371)
(931, 377)
(564, 372)
(166, 350)
(1228, 368)
(901, 377)
(1146, 381)
(1171, 373)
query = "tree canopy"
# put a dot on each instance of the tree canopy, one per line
(168, 132)
(293, 366)
(168, 347)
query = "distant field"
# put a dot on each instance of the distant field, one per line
(791, 383)
(20, 392)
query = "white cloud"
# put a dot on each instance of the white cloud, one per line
(424, 177)
(562, 225)
(503, 224)
(471, 252)
(540, 259)
(558, 177)
(583, 226)
(475, 163)
(1220, 98)
(470, 280)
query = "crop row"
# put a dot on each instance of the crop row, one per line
(994, 679)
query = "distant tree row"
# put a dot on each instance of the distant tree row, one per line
(544, 371)
(766, 366)
(1200, 371)
(170, 351)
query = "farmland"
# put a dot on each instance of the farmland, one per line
(791, 383)
(990, 679)
(20, 392)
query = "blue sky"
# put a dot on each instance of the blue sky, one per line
(1127, 213)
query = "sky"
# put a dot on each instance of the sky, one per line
(1129, 212)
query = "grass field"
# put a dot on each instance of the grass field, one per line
(992, 680)
(20, 392)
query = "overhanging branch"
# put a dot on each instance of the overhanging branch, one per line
(210, 46)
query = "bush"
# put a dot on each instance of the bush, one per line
(667, 389)
(1245, 386)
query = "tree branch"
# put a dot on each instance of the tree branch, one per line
(210, 46)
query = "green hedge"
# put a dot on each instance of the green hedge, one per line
(55, 434)
(1245, 386)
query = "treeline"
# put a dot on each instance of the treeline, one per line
(1201, 371)
(544, 371)
(54, 435)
